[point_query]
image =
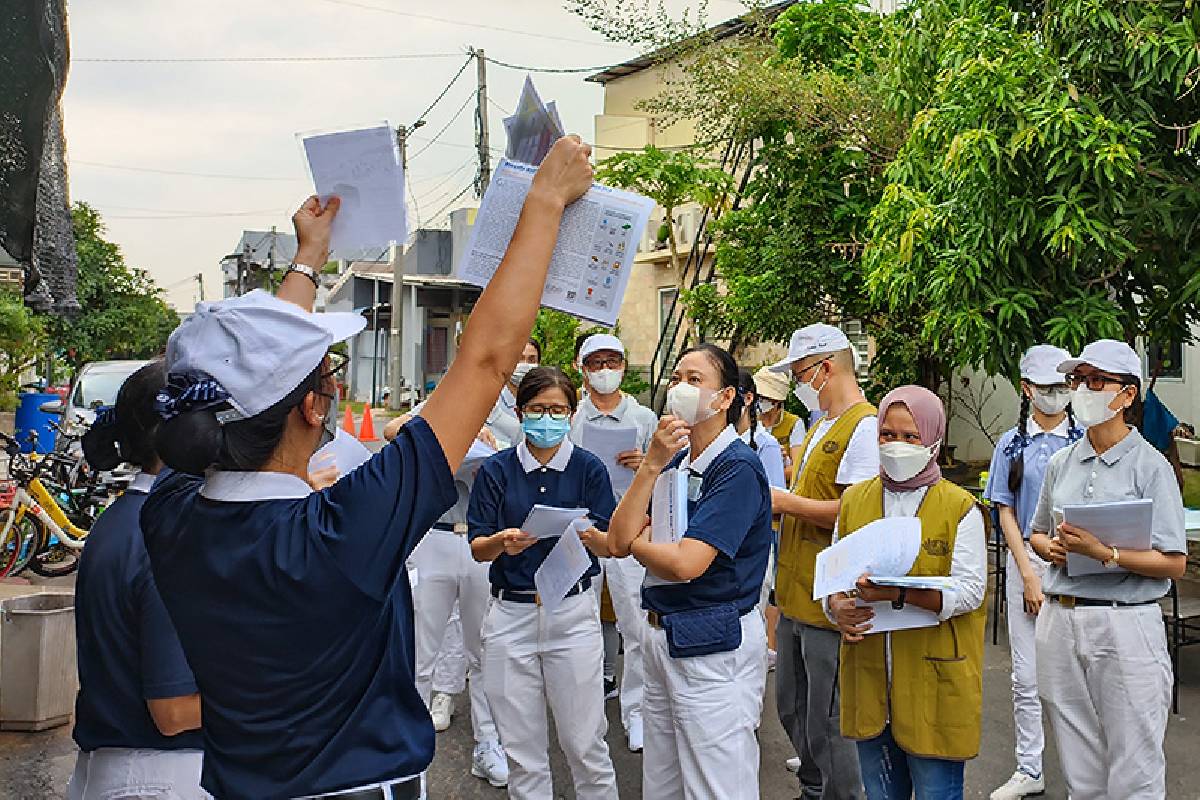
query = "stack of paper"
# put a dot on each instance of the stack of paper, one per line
(886, 546)
(593, 257)
(534, 129)
(606, 444)
(1124, 524)
(563, 567)
(362, 168)
(668, 514)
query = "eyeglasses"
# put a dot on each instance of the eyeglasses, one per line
(337, 364)
(1093, 381)
(612, 362)
(536, 411)
(799, 375)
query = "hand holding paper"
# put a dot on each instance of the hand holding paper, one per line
(565, 565)
(1124, 524)
(886, 546)
(544, 522)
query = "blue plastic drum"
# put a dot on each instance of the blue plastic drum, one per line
(30, 417)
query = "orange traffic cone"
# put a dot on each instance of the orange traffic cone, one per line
(367, 432)
(348, 421)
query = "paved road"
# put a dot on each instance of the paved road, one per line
(37, 766)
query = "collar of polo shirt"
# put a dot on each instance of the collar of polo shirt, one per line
(245, 487)
(718, 446)
(558, 463)
(617, 413)
(1112, 455)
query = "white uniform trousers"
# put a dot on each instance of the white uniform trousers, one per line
(533, 658)
(625, 576)
(118, 773)
(701, 714)
(446, 572)
(1027, 706)
(1105, 678)
(450, 663)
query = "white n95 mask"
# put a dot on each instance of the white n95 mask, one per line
(692, 404)
(1092, 408)
(1051, 401)
(808, 394)
(766, 406)
(606, 381)
(901, 460)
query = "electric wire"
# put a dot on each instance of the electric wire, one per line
(261, 59)
(445, 127)
(449, 85)
(225, 176)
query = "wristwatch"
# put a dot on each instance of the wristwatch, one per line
(901, 599)
(1114, 561)
(306, 271)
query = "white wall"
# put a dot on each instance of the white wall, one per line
(997, 403)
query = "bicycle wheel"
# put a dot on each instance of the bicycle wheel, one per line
(10, 548)
(55, 561)
(33, 538)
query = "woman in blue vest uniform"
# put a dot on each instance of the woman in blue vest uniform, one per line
(706, 659)
(293, 605)
(137, 716)
(531, 656)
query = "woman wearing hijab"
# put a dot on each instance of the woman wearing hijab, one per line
(913, 699)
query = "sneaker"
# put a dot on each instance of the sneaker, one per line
(441, 709)
(490, 763)
(611, 689)
(793, 765)
(634, 734)
(1021, 784)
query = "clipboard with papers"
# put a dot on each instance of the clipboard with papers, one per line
(668, 514)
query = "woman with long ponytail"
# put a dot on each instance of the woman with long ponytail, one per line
(754, 434)
(1014, 484)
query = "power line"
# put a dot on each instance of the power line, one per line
(261, 59)
(454, 80)
(197, 215)
(438, 214)
(447, 178)
(128, 168)
(548, 70)
(445, 127)
(500, 108)
(463, 23)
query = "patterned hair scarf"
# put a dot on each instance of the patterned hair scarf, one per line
(187, 392)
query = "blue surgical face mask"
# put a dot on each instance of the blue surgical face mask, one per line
(545, 432)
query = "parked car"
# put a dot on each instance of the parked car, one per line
(95, 385)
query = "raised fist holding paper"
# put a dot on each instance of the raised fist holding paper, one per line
(566, 173)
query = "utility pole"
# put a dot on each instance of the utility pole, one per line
(271, 261)
(200, 285)
(396, 345)
(485, 151)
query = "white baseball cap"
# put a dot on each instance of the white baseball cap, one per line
(600, 341)
(258, 347)
(1108, 355)
(1040, 363)
(813, 340)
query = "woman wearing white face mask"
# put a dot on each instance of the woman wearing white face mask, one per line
(1014, 484)
(1103, 668)
(913, 699)
(705, 658)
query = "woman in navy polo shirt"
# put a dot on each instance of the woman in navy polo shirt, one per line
(706, 661)
(293, 605)
(532, 657)
(137, 716)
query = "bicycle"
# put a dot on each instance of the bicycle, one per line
(36, 531)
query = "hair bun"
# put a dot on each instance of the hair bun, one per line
(190, 441)
(101, 448)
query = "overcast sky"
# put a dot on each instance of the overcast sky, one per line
(241, 118)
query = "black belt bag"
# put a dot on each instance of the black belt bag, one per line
(703, 631)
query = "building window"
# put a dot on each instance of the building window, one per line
(437, 341)
(1165, 357)
(856, 332)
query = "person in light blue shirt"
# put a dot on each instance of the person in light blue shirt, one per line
(1014, 485)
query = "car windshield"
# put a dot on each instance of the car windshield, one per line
(99, 388)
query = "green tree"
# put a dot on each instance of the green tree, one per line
(123, 314)
(1050, 186)
(671, 179)
(556, 331)
(22, 339)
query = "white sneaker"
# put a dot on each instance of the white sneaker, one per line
(490, 763)
(634, 734)
(1020, 785)
(793, 764)
(441, 709)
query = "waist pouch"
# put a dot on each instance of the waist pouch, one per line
(703, 631)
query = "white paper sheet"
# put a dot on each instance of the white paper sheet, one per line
(593, 257)
(889, 619)
(668, 507)
(362, 167)
(1124, 524)
(606, 444)
(544, 522)
(886, 546)
(345, 452)
(533, 129)
(939, 582)
(476, 455)
(563, 567)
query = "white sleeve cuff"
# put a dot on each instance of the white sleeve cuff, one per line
(949, 601)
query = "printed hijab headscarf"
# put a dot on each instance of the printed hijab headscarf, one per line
(930, 415)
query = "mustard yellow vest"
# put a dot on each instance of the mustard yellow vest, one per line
(783, 431)
(935, 698)
(800, 541)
